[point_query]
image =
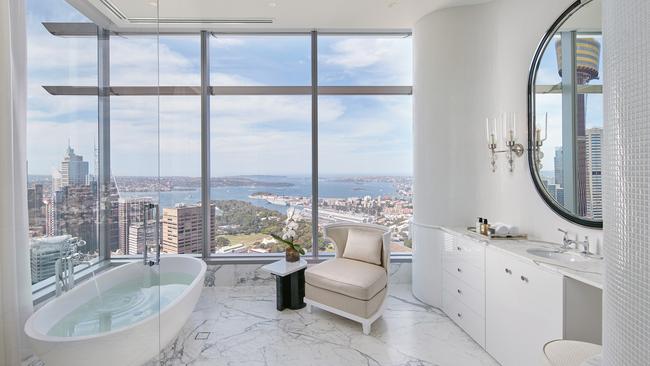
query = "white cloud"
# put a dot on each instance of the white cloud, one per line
(368, 61)
(253, 134)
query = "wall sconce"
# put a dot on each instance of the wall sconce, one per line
(539, 142)
(507, 124)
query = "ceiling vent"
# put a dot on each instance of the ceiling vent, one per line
(120, 15)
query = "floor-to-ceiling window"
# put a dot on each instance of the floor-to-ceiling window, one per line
(332, 145)
(365, 139)
(62, 139)
(260, 152)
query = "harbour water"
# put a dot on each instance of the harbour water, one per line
(299, 187)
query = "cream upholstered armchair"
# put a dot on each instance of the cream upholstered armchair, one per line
(355, 283)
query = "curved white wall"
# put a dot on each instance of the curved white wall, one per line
(451, 53)
(472, 62)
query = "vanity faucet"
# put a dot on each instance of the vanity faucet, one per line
(566, 242)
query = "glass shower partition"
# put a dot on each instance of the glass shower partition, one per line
(131, 119)
(94, 179)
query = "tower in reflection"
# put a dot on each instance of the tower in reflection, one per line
(586, 58)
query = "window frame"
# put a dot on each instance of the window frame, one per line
(104, 91)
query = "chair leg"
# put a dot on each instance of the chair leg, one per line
(366, 327)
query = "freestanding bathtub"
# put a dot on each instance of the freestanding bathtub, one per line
(123, 317)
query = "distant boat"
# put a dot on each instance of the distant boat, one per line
(277, 201)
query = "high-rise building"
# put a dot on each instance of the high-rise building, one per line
(73, 171)
(182, 229)
(587, 59)
(76, 214)
(137, 236)
(559, 195)
(131, 210)
(594, 173)
(44, 253)
(559, 168)
(36, 209)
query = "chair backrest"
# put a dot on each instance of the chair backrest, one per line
(338, 233)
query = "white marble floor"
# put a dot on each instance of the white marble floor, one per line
(239, 325)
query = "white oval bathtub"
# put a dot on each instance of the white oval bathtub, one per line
(139, 310)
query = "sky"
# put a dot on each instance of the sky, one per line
(362, 135)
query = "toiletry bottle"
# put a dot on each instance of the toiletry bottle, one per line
(479, 222)
(484, 227)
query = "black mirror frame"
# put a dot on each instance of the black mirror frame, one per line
(539, 185)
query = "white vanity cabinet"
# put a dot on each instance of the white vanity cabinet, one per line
(463, 282)
(523, 308)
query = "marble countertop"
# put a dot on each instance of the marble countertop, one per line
(589, 272)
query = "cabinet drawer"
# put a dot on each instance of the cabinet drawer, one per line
(471, 275)
(469, 321)
(459, 290)
(460, 249)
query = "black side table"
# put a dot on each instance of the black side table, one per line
(289, 283)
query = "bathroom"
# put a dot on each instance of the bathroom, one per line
(270, 182)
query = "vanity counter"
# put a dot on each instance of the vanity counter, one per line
(590, 272)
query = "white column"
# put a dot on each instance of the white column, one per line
(15, 282)
(626, 312)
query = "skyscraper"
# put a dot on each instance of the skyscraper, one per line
(594, 173)
(131, 211)
(557, 161)
(74, 170)
(36, 208)
(77, 214)
(44, 253)
(73, 206)
(138, 235)
(182, 229)
(587, 59)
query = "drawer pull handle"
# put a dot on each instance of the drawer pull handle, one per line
(459, 270)
(459, 292)
(524, 278)
(508, 271)
(459, 315)
(459, 248)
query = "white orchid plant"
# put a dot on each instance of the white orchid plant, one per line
(289, 232)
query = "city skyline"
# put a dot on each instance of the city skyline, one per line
(70, 206)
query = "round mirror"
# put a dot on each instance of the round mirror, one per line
(565, 112)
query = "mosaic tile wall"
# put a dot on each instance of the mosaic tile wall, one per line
(626, 313)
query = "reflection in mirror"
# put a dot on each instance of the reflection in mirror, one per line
(567, 116)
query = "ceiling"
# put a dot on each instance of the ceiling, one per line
(262, 14)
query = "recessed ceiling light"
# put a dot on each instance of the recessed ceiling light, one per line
(392, 3)
(273, 5)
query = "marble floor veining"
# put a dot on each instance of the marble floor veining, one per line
(239, 325)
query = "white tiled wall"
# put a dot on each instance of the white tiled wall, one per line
(626, 31)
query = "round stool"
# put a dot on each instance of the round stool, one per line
(570, 353)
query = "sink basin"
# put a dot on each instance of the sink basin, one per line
(566, 257)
